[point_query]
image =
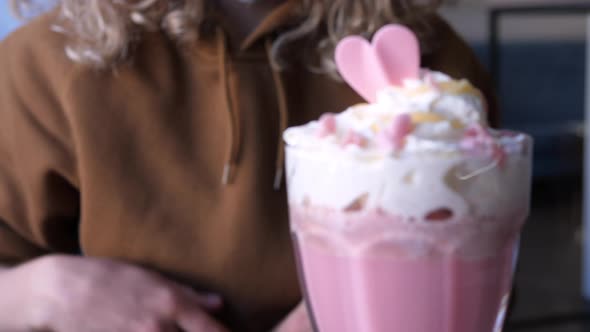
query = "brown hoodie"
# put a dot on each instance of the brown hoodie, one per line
(169, 161)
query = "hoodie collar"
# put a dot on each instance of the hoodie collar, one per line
(278, 17)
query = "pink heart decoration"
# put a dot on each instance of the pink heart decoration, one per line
(393, 56)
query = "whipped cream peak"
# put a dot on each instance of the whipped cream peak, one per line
(432, 113)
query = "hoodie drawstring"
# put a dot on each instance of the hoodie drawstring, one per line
(283, 116)
(234, 132)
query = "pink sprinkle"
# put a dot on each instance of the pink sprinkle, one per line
(478, 139)
(429, 79)
(395, 134)
(469, 144)
(500, 155)
(470, 133)
(328, 125)
(508, 133)
(353, 138)
(477, 130)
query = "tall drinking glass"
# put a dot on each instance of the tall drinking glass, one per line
(412, 243)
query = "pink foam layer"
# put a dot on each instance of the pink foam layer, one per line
(351, 233)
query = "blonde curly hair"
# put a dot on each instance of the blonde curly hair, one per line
(102, 31)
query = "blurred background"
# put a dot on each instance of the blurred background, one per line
(7, 21)
(540, 71)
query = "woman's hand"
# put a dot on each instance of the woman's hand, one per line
(297, 321)
(72, 294)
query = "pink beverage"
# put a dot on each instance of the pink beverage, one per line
(385, 287)
(406, 211)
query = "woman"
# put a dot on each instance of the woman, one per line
(141, 182)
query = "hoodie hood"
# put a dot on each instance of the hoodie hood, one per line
(282, 15)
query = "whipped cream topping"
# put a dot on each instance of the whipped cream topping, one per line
(426, 114)
(422, 152)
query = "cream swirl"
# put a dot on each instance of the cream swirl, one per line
(432, 113)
